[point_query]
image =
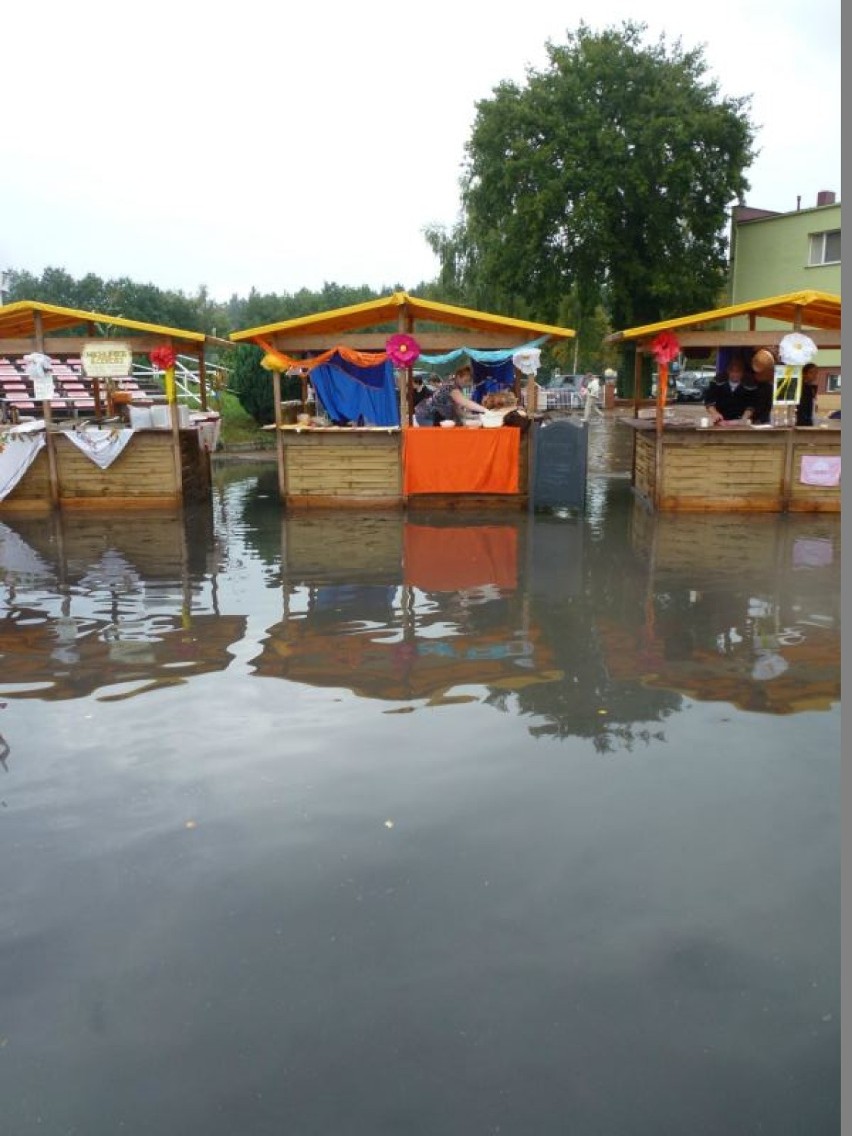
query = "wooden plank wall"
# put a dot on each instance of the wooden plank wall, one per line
(143, 476)
(143, 473)
(32, 493)
(737, 472)
(328, 469)
(645, 469)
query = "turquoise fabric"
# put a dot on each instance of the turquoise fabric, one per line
(450, 360)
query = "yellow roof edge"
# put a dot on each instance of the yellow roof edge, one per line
(748, 307)
(435, 307)
(425, 309)
(101, 317)
(396, 299)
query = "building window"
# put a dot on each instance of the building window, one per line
(832, 384)
(825, 247)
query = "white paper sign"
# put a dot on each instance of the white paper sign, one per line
(43, 389)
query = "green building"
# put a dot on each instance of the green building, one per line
(776, 253)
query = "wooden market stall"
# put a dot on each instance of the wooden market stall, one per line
(95, 456)
(393, 463)
(679, 465)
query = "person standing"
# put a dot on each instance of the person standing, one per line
(447, 401)
(807, 399)
(592, 386)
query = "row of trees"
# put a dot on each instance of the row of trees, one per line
(595, 196)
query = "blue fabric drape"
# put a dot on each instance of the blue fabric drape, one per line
(364, 396)
(488, 377)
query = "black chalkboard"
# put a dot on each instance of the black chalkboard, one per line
(559, 464)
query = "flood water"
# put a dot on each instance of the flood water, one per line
(341, 824)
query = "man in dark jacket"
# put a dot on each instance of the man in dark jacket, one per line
(731, 397)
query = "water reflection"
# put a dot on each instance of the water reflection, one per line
(597, 627)
(124, 603)
(421, 609)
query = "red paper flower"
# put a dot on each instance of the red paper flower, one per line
(163, 357)
(666, 347)
(402, 349)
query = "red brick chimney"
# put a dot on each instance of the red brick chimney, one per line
(825, 197)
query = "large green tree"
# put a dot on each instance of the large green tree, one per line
(607, 175)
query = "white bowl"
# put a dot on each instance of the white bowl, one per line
(447, 422)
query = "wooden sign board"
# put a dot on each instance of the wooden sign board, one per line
(106, 359)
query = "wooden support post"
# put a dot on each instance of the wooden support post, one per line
(174, 414)
(406, 392)
(279, 436)
(662, 392)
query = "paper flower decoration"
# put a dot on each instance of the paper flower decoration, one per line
(163, 357)
(403, 349)
(796, 349)
(527, 360)
(38, 366)
(665, 347)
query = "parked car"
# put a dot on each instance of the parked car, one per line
(689, 390)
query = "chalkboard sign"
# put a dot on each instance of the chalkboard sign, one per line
(559, 464)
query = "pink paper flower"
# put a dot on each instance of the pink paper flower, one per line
(402, 349)
(665, 347)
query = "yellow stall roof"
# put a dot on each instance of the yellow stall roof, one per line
(357, 317)
(17, 321)
(811, 309)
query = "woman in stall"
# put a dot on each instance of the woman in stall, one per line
(447, 401)
(807, 399)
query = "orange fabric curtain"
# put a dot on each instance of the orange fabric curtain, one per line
(358, 358)
(436, 460)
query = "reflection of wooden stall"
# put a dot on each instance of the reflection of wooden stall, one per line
(417, 610)
(737, 609)
(389, 464)
(677, 465)
(89, 623)
(157, 468)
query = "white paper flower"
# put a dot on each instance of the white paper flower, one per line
(796, 348)
(527, 360)
(38, 366)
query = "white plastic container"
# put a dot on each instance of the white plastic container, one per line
(161, 417)
(140, 417)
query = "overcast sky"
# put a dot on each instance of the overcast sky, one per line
(285, 145)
